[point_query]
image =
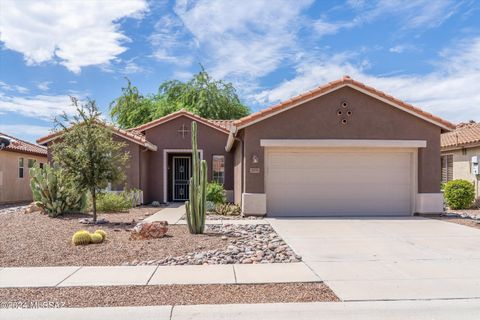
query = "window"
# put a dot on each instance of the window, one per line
(41, 165)
(31, 163)
(218, 169)
(447, 168)
(20, 167)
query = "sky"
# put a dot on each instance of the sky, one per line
(421, 51)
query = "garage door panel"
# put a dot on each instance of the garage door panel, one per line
(338, 183)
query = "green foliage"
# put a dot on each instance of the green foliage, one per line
(82, 238)
(96, 238)
(227, 209)
(459, 194)
(54, 191)
(87, 152)
(102, 233)
(196, 205)
(201, 95)
(215, 193)
(113, 202)
(131, 108)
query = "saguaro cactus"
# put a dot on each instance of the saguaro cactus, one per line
(196, 205)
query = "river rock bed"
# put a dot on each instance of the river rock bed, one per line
(244, 244)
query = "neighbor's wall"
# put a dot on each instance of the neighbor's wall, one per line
(166, 136)
(462, 165)
(370, 119)
(12, 188)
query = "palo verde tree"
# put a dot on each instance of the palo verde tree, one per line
(202, 95)
(87, 152)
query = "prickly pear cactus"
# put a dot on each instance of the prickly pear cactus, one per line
(53, 191)
(196, 205)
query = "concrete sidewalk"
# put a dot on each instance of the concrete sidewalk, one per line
(371, 310)
(155, 275)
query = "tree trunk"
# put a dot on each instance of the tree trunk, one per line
(94, 205)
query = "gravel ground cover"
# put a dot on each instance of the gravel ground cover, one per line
(469, 222)
(37, 240)
(169, 295)
(213, 216)
(12, 208)
(244, 244)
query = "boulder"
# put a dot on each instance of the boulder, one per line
(33, 207)
(149, 230)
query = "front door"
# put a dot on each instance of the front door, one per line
(181, 177)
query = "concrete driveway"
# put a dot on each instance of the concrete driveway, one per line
(388, 258)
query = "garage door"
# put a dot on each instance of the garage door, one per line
(322, 182)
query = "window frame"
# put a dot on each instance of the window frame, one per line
(218, 176)
(21, 168)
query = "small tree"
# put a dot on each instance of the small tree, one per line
(87, 152)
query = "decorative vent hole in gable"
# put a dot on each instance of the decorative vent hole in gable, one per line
(344, 121)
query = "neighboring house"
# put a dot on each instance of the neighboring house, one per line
(15, 160)
(341, 149)
(459, 147)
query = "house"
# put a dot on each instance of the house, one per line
(16, 157)
(461, 153)
(341, 149)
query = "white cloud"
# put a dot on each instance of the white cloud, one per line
(17, 130)
(451, 91)
(44, 85)
(413, 14)
(75, 33)
(248, 39)
(44, 107)
(402, 48)
(9, 87)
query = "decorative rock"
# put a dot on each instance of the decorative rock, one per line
(33, 207)
(90, 221)
(150, 230)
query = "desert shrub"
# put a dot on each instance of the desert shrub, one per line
(55, 192)
(215, 193)
(113, 202)
(459, 194)
(227, 209)
(82, 238)
(210, 206)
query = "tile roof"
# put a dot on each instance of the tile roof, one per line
(465, 134)
(222, 125)
(131, 135)
(346, 80)
(17, 145)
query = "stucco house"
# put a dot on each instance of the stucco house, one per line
(15, 160)
(341, 149)
(461, 154)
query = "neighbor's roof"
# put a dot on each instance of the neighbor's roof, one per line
(132, 135)
(464, 135)
(222, 125)
(345, 81)
(17, 145)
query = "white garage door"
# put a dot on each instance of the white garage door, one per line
(322, 182)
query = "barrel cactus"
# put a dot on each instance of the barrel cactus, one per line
(102, 233)
(96, 238)
(196, 205)
(81, 238)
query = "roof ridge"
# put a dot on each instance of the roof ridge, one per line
(345, 80)
(24, 141)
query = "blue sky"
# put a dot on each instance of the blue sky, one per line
(421, 51)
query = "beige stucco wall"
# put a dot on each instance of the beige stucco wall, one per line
(462, 165)
(13, 188)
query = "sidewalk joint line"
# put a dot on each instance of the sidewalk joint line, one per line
(234, 274)
(151, 276)
(69, 276)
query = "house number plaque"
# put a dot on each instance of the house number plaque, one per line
(254, 170)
